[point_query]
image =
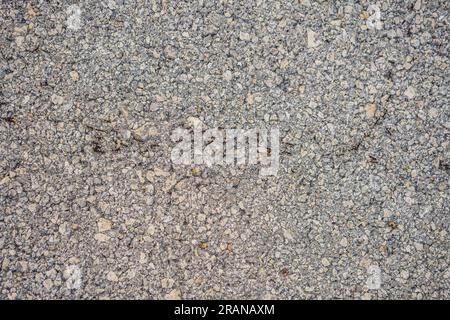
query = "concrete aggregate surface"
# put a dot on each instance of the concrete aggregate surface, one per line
(93, 207)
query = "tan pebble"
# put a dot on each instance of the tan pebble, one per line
(311, 39)
(160, 98)
(111, 276)
(227, 75)
(370, 110)
(436, 162)
(151, 230)
(180, 185)
(57, 99)
(160, 172)
(365, 262)
(433, 112)
(417, 5)
(284, 63)
(250, 99)
(410, 92)
(325, 262)
(30, 12)
(199, 280)
(73, 75)
(143, 258)
(101, 237)
(48, 284)
(19, 41)
(104, 225)
(447, 274)
(152, 132)
(173, 295)
(125, 113)
(301, 89)
(306, 3)
(73, 260)
(244, 36)
(344, 242)
(170, 183)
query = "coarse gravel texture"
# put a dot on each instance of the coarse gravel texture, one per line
(92, 207)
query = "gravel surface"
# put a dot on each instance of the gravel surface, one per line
(92, 207)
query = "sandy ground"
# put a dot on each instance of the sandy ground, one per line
(93, 206)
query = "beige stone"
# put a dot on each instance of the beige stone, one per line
(371, 109)
(410, 92)
(73, 75)
(111, 276)
(104, 225)
(325, 262)
(173, 295)
(311, 39)
(101, 237)
(48, 284)
(417, 5)
(344, 242)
